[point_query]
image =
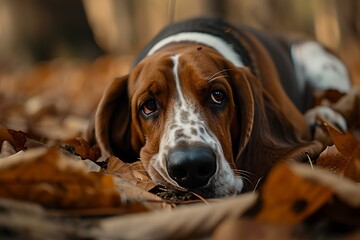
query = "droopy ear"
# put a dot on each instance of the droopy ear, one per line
(113, 122)
(261, 134)
(245, 108)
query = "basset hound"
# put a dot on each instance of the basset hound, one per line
(210, 108)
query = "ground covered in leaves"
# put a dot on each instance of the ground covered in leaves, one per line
(55, 184)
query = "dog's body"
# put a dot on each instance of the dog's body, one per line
(206, 101)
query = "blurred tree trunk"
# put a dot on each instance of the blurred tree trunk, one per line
(326, 22)
(349, 20)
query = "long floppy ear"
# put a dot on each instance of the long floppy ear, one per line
(245, 107)
(262, 135)
(113, 122)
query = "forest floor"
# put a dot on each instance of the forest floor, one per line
(53, 183)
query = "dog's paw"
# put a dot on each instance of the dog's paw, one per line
(319, 114)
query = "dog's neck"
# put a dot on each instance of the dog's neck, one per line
(221, 46)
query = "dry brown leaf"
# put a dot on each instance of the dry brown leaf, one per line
(332, 160)
(249, 229)
(287, 198)
(83, 149)
(132, 193)
(344, 156)
(18, 139)
(344, 189)
(133, 173)
(133, 183)
(47, 177)
(6, 149)
(344, 142)
(6, 136)
(352, 169)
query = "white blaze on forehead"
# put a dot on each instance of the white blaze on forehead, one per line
(175, 60)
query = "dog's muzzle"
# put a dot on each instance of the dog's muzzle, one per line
(191, 166)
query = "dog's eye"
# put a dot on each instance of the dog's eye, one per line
(217, 96)
(148, 107)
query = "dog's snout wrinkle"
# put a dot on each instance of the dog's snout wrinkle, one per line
(191, 167)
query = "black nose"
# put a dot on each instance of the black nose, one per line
(191, 167)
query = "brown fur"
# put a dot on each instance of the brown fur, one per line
(259, 126)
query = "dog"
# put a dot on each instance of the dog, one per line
(210, 108)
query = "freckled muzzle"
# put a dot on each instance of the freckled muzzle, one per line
(191, 166)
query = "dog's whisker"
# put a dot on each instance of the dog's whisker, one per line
(200, 197)
(246, 179)
(257, 184)
(244, 172)
(221, 76)
(243, 175)
(221, 71)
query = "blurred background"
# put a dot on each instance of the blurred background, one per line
(57, 56)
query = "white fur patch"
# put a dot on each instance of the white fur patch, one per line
(175, 60)
(328, 115)
(225, 49)
(318, 68)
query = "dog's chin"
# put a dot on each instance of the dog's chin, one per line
(219, 190)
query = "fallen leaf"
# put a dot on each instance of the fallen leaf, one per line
(345, 189)
(344, 157)
(133, 173)
(18, 139)
(6, 136)
(47, 177)
(289, 199)
(131, 193)
(331, 159)
(250, 229)
(82, 148)
(134, 184)
(346, 143)
(6, 149)
(91, 166)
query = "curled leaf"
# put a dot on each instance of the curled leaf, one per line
(49, 178)
(344, 156)
(346, 143)
(288, 198)
(132, 173)
(81, 147)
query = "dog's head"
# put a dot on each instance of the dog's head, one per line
(188, 114)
